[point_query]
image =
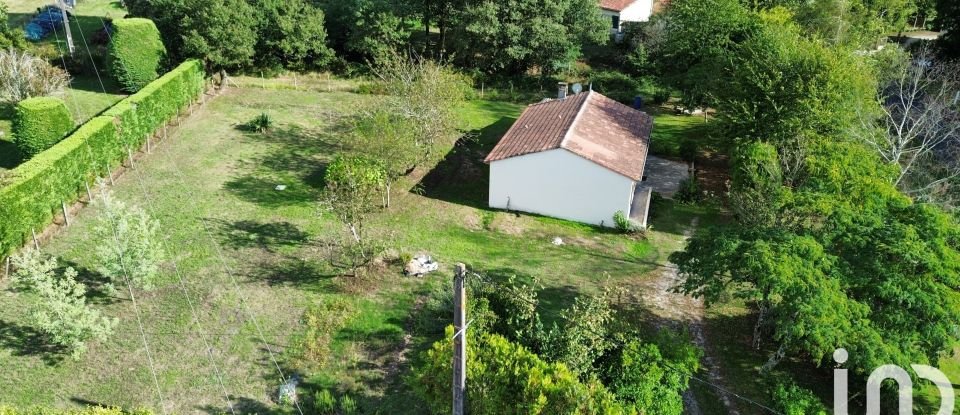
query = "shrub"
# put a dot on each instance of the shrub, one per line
(23, 76)
(61, 312)
(39, 123)
(689, 150)
(689, 191)
(322, 322)
(324, 403)
(791, 399)
(347, 405)
(135, 52)
(37, 187)
(508, 376)
(660, 96)
(616, 85)
(130, 249)
(624, 224)
(260, 123)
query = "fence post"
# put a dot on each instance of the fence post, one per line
(89, 194)
(36, 243)
(66, 217)
(7, 275)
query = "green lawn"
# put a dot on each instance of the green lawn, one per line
(212, 181)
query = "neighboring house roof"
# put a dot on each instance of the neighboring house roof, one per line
(588, 124)
(616, 5)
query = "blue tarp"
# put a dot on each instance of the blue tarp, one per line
(45, 22)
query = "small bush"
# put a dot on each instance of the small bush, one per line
(660, 96)
(347, 405)
(689, 191)
(135, 53)
(39, 123)
(260, 123)
(322, 322)
(791, 399)
(324, 403)
(23, 76)
(623, 223)
(689, 150)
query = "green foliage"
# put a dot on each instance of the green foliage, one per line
(291, 33)
(757, 180)
(623, 223)
(36, 188)
(130, 249)
(688, 191)
(583, 336)
(788, 90)
(616, 85)
(506, 378)
(260, 123)
(653, 377)
(39, 123)
(9, 37)
(347, 405)
(353, 184)
(322, 321)
(428, 96)
(692, 55)
(689, 150)
(135, 52)
(324, 403)
(387, 136)
(845, 243)
(61, 311)
(790, 399)
(235, 34)
(512, 36)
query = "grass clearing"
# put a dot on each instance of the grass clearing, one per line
(272, 242)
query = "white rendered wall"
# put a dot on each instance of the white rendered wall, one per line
(639, 11)
(560, 184)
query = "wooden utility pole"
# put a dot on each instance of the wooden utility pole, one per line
(66, 26)
(459, 339)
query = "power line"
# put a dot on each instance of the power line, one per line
(229, 273)
(186, 294)
(143, 335)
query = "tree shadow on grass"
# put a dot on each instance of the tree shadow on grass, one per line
(303, 274)
(98, 286)
(26, 341)
(297, 160)
(253, 234)
(462, 177)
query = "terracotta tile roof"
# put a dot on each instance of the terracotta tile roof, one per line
(588, 124)
(616, 5)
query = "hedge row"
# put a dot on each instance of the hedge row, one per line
(39, 123)
(135, 52)
(30, 195)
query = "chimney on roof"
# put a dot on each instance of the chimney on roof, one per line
(561, 90)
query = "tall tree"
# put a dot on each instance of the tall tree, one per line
(291, 33)
(512, 36)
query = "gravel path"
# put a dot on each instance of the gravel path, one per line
(674, 309)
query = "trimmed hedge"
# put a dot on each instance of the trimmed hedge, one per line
(39, 123)
(135, 52)
(31, 193)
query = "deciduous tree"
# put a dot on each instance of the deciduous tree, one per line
(61, 311)
(130, 248)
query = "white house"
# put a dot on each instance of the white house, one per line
(622, 11)
(580, 158)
